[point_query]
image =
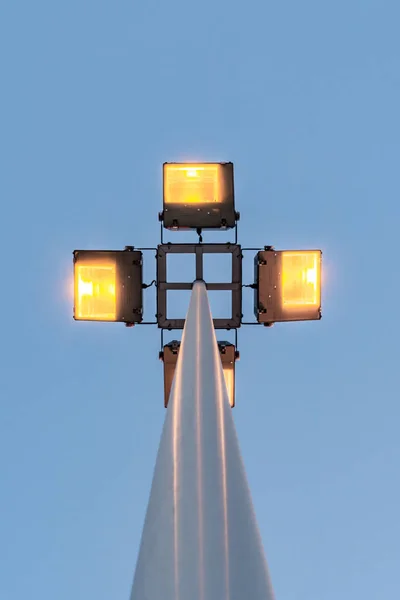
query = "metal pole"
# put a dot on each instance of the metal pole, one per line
(200, 538)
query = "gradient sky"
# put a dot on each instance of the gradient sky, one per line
(304, 98)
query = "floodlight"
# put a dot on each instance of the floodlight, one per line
(169, 356)
(288, 285)
(108, 285)
(198, 196)
(228, 354)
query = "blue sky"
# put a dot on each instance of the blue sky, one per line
(304, 98)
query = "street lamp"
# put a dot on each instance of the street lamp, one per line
(108, 285)
(198, 196)
(198, 468)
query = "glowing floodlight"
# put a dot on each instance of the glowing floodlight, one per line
(300, 279)
(288, 285)
(95, 291)
(108, 285)
(198, 196)
(228, 354)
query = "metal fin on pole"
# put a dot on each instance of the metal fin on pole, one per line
(200, 538)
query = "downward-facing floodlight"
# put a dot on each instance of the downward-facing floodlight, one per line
(288, 285)
(198, 196)
(108, 285)
(228, 354)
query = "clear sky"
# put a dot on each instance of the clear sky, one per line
(304, 98)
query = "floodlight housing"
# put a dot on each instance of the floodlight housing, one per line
(198, 196)
(287, 285)
(229, 355)
(108, 285)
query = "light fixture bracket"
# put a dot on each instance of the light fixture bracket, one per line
(234, 320)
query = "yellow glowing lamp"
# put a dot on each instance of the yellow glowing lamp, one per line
(192, 184)
(198, 195)
(228, 354)
(288, 285)
(300, 279)
(108, 285)
(95, 292)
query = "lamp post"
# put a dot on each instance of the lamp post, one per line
(200, 538)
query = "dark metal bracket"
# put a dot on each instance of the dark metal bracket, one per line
(163, 286)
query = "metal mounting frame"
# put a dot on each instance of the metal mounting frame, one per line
(235, 319)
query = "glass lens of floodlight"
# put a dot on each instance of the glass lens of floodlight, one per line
(192, 184)
(301, 279)
(229, 375)
(95, 292)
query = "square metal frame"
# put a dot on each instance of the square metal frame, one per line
(235, 319)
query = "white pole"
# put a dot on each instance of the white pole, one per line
(200, 538)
